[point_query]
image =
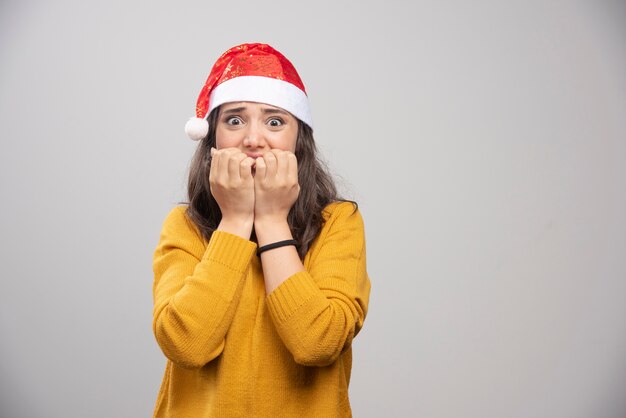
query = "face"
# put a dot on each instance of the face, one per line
(255, 128)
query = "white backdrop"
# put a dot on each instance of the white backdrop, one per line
(485, 142)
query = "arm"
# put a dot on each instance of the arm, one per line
(276, 190)
(196, 290)
(320, 306)
(318, 311)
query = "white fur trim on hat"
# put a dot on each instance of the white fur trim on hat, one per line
(261, 89)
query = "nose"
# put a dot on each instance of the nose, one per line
(254, 136)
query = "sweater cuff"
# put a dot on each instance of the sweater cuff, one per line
(229, 250)
(290, 295)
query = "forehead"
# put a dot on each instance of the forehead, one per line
(252, 106)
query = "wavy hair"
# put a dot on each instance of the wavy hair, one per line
(317, 189)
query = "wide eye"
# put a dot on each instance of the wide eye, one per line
(275, 122)
(234, 120)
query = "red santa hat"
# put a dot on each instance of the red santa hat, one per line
(251, 73)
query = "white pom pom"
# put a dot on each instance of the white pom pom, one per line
(196, 128)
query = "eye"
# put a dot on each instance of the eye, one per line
(233, 120)
(275, 122)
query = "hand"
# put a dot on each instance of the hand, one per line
(232, 184)
(276, 185)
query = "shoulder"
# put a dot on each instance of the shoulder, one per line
(179, 243)
(177, 218)
(342, 235)
(342, 210)
(342, 217)
(177, 224)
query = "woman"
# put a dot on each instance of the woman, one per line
(260, 282)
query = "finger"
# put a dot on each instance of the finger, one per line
(282, 164)
(270, 163)
(261, 169)
(222, 155)
(245, 168)
(215, 163)
(234, 162)
(292, 175)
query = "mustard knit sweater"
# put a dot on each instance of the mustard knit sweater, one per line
(234, 351)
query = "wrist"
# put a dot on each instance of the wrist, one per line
(275, 245)
(270, 230)
(241, 226)
(269, 221)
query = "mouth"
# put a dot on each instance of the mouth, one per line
(254, 156)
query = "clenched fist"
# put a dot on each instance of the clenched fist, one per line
(276, 185)
(232, 184)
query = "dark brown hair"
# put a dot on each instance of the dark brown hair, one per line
(317, 188)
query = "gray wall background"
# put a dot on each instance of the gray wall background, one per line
(485, 142)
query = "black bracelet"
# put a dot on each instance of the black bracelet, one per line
(275, 245)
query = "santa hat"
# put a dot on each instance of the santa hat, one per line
(252, 73)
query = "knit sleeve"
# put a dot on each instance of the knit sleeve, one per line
(196, 289)
(318, 312)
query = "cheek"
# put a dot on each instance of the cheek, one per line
(288, 140)
(294, 139)
(225, 139)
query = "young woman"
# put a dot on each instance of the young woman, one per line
(260, 281)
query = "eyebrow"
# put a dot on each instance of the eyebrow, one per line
(234, 110)
(264, 110)
(271, 111)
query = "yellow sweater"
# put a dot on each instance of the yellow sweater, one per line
(235, 352)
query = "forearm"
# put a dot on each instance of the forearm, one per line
(194, 309)
(315, 325)
(192, 334)
(279, 263)
(318, 311)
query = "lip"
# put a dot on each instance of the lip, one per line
(254, 156)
